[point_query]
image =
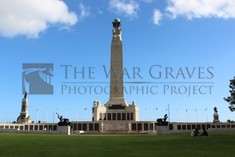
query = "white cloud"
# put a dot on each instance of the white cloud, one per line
(30, 17)
(84, 11)
(201, 8)
(157, 16)
(127, 7)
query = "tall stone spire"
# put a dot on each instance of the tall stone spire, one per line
(24, 116)
(116, 114)
(116, 69)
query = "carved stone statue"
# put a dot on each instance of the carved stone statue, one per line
(215, 110)
(165, 118)
(116, 23)
(117, 28)
(215, 116)
(63, 121)
(162, 121)
(60, 117)
(25, 95)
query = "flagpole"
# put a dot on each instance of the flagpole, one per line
(169, 113)
(66, 112)
(78, 115)
(47, 116)
(156, 113)
(53, 116)
(56, 110)
(187, 114)
(196, 114)
(37, 116)
(206, 115)
(177, 115)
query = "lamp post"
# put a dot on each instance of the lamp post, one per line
(187, 114)
(177, 115)
(196, 114)
(37, 115)
(47, 116)
(169, 113)
(156, 113)
(206, 114)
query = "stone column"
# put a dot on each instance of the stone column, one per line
(116, 71)
(24, 117)
(216, 116)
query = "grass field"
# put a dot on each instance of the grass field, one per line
(24, 145)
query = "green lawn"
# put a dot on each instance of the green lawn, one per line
(216, 145)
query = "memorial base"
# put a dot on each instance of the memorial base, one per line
(216, 118)
(63, 130)
(163, 129)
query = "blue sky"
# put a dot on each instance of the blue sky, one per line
(175, 34)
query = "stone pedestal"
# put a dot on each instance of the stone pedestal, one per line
(163, 129)
(24, 117)
(115, 127)
(216, 118)
(63, 130)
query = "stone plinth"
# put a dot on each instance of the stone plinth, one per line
(24, 116)
(163, 129)
(63, 130)
(216, 118)
(116, 127)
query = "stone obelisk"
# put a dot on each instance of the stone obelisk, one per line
(116, 68)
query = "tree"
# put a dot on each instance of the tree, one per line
(231, 99)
